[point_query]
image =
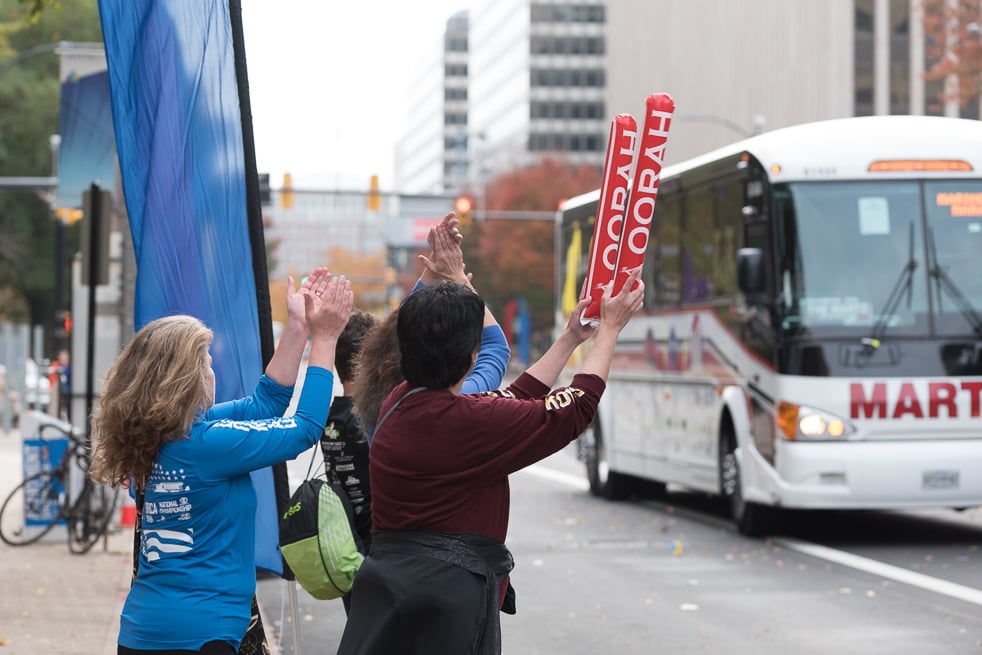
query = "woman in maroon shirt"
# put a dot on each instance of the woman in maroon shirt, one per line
(439, 467)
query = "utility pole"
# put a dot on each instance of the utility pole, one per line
(59, 328)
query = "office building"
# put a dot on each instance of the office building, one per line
(737, 68)
(532, 85)
(433, 155)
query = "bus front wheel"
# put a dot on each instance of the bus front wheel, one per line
(603, 482)
(751, 519)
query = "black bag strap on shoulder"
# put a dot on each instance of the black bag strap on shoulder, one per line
(392, 409)
(311, 471)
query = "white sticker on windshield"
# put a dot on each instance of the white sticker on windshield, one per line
(874, 216)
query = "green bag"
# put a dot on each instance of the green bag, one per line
(317, 539)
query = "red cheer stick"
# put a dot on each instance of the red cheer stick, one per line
(610, 213)
(659, 108)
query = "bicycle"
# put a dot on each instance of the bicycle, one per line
(45, 499)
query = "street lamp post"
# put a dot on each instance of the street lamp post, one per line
(758, 123)
(59, 328)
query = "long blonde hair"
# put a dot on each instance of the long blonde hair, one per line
(378, 371)
(152, 394)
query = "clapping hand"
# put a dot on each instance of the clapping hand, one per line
(328, 306)
(296, 311)
(446, 260)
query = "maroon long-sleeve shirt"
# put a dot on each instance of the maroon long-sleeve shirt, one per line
(441, 461)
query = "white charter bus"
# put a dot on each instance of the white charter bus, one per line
(811, 336)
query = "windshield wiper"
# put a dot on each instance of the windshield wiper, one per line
(944, 281)
(904, 284)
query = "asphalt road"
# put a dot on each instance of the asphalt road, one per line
(674, 576)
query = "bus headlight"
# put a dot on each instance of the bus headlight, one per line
(803, 423)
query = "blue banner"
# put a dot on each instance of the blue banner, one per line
(179, 134)
(87, 152)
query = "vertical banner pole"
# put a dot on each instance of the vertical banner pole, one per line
(291, 590)
(92, 267)
(257, 243)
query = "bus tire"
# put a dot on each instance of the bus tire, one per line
(751, 519)
(604, 482)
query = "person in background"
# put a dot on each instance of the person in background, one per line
(157, 425)
(344, 442)
(63, 369)
(378, 370)
(440, 460)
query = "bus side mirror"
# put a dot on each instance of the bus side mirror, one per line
(750, 270)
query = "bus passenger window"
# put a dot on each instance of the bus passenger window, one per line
(698, 245)
(728, 230)
(664, 249)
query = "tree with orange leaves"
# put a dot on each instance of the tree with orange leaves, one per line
(953, 31)
(514, 258)
(364, 271)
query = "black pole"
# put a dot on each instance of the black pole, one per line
(59, 285)
(95, 216)
(257, 240)
(254, 208)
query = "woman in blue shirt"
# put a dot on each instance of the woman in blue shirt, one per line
(157, 424)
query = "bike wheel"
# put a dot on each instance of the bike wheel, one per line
(90, 516)
(32, 509)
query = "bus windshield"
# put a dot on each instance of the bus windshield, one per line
(897, 258)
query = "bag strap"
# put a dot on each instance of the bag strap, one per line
(313, 458)
(392, 409)
(317, 451)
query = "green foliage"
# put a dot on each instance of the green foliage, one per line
(36, 7)
(29, 103)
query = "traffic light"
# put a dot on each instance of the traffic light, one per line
(462, 207)
(286, 193)
(374, 195)
(68, 216)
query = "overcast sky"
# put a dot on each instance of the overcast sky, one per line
(329, 81)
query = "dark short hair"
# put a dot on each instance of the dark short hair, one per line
(349, 344)
(439, 329)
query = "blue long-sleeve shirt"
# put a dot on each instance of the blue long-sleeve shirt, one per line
(196, 575)
(492, 359)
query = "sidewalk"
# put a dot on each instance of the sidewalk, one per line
(51, 601)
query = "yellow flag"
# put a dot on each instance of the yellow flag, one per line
(571, 294)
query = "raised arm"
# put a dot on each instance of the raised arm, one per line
(285, 362)
(327, 313)
(547, 369)
(446, 260)
(615, 312)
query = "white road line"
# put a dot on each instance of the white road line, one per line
(888, 571)
(545, 473)
(961, 592)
